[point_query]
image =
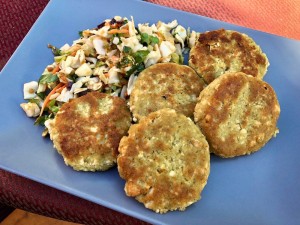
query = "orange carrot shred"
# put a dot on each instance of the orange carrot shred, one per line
(73, 53)
(61, 88)
(114, 25)
(63, 79)
(114, 58)
(56, 69)
(117, 31)
(47, 99)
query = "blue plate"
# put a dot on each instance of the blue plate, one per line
(263, 188)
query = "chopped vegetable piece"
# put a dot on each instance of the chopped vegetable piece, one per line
(42, 95)
(48, 78)
(149, 39)
(41, 119)
(135, 69)
(140, 56)
(117, 31)
(47, 99)
(127, 49)
(107, 59)
(56, 51)
(55, 70)
(126, 61)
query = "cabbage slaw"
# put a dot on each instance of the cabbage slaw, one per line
(106, 59)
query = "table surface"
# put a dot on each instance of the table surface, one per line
(280, 18)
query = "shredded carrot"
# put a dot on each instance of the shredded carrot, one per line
(47, 99)
(117, 31)
(114, 59)
(63, 78)
(73, 53)
(56, 69)
(61, 88)
(115, 25)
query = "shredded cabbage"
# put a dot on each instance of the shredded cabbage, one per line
(106, 59)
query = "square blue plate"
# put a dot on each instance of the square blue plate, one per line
(263, 188)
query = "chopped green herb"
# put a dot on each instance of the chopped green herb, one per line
(140, 55)
(56, 51)
(54, 108)
(154, 40)
(72, 77)
(136, 69)
(127, 50)
(60, 58)
(48, 78)
(126, 61)
(33, 100)
(42, 95)
(51, 103)
(41, 119)
(144, 38)
(80, 33)
(147, 39)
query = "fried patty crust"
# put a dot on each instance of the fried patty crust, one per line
(165, 161)
(165, 85)
(238, 114)
(87, 130)
(220, 51)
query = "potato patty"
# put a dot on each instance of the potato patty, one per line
(238, 114)
(87, 130)
(220, 51)
(165, 161)
(165, 85)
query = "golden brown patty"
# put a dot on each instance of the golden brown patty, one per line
(237, 113)
(165, 161)
(220, 51)
(87, 131)
(165, 85)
